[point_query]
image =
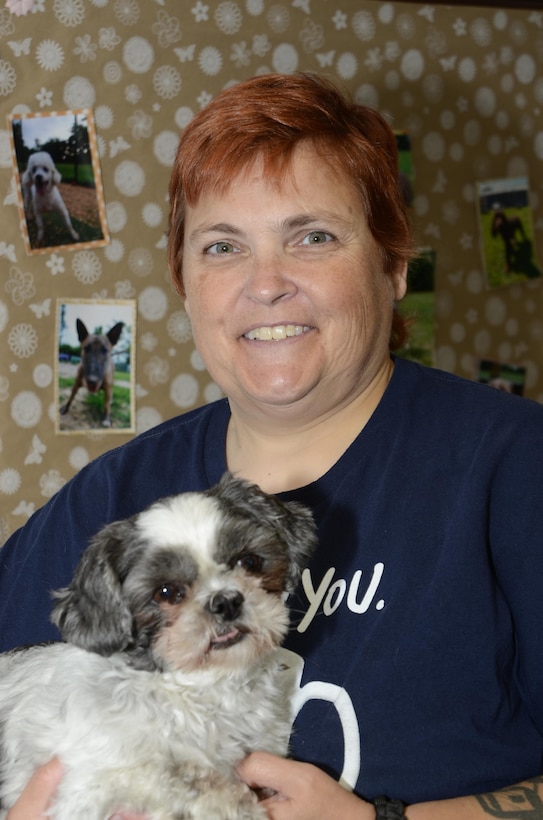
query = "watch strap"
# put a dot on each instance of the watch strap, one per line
(386, 809)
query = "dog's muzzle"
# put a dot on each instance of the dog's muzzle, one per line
(226, 604)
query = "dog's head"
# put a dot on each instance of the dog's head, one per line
(96, 353)
(41, 172)
(196, 581)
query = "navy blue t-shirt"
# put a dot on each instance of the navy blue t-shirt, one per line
(418, 648)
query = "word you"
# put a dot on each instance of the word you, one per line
(330, 594)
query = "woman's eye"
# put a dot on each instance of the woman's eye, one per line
(251, 563)
(169, 594)
(220, 248)
(317, 238)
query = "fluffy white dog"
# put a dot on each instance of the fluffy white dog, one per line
(39, 184)
(171, 673)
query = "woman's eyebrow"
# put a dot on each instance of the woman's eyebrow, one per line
(216, 227)
(289, 223)
(302, 220)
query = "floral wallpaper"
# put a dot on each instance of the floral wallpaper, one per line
(465, 83)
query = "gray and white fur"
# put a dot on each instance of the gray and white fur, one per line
(171, 673)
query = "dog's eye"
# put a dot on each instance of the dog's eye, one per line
(250, 563)
(169, 594)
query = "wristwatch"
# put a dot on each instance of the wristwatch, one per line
(386, 809)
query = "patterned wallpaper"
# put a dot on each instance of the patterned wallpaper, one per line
(465, 83)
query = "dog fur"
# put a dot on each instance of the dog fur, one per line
(40, 192)
(171, 673)
(96, 370)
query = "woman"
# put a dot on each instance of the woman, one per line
(416, 647)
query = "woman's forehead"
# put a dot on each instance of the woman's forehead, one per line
(281, 173)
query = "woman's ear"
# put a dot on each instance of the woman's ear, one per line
(399, 281)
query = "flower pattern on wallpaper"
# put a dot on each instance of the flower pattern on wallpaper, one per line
(465, 83)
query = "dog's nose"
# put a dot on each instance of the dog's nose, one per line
(226, 604)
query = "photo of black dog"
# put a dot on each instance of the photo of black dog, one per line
(511, 230)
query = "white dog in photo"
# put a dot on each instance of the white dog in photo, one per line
(171, 672)
(41, 194)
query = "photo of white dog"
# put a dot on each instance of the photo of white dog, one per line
(171, 673)
(41, 194)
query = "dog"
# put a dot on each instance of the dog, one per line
(40, 192)
(508, 227)
(171, 672)
(96, 370)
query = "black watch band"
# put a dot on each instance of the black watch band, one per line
(386, 809)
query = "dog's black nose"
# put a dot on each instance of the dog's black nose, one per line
(226, 604)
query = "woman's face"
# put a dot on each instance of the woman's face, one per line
(284, 285)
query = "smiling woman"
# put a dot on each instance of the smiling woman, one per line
(281, 320)
(288, 226)
(414, 652)
(268, 123)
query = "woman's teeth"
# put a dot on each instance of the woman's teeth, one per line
(275, 333)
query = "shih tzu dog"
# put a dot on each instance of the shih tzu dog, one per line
(171, 673)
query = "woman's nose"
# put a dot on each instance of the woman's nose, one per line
(270, 280)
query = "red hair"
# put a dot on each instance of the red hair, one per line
(267, 118)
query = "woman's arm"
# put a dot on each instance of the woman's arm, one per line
(522, 801)
(304, 792)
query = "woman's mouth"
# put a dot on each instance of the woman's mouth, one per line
(275, 333)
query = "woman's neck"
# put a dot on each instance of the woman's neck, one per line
(284, 456)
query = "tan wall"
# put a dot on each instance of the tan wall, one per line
(466, 83)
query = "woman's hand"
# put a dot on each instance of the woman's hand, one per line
(40, 791)
(38, 794)
(303, 791)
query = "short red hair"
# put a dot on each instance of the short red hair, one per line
(267, 118)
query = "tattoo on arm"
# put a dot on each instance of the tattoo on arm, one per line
(521, 802)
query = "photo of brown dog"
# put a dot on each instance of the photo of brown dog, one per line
(96, 370)
(95, 366)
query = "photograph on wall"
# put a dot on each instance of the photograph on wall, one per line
(95, 368)
(507, 231)
(417, 307)
(508, 378)
(59, 184)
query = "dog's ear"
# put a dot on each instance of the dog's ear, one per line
(91, 612)
(115, 333)
(82, 331)
(299, 530)
(293, 522)
(26, 179)
(57, 177)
